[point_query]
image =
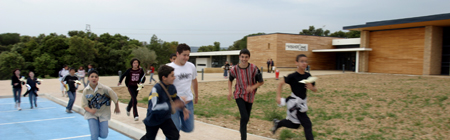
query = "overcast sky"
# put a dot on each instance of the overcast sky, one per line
(201, 22)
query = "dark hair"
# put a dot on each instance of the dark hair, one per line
(244, 51)
(182, 47)
(134, 59)
(299, 56)
(90, 65)
(14, 71)
(173, 54)
(71, 69)
(92, 71)
(64, 66)
(164, 70)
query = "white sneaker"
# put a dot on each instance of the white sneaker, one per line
(136, 118)
(128, 112)
(19, 109)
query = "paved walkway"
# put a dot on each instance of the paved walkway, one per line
(135, 129)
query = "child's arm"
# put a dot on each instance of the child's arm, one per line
(230, 83)
(311, 87)
(84, 104)
(92, 111)
(280, 86)
(115, 99)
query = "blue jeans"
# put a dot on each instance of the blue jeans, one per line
(32, 96)
(72, 96)
(180, 123)
(225, 73)
(151, 78)
(17, 92)
(82, 79)
(98, 129)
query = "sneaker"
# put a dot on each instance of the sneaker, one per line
(31, 107)
(136, 118)
(35, 105)
(69, 111)
(19, 109)
(128, 112)
(275, 125)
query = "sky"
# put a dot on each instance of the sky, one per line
(202, 22)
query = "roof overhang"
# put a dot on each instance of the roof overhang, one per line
(431, 20)
(215, 53)
(343, 50)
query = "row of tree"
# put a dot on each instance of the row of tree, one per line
(46, 54)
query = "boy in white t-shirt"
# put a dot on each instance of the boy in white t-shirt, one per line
(185, 77)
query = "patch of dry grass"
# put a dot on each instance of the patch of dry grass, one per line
(347, 106)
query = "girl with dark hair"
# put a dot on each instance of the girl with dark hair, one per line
(31, 84)
(134, 76)
(17, 87)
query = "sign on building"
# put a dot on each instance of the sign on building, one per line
(296, 47)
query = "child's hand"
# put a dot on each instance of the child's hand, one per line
(117, 110)
(92, 111)
(249, 89)
(229, 97)
(309, 86)
(186, 113)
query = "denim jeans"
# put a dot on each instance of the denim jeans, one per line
(225, 73)
(151, 78)
(180, 123)
(82, 79)
(32, 96)
(72, 96)
(98, 129)
(17, 92)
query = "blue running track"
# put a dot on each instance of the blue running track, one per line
(48, 121)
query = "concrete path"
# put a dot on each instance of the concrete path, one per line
(135, 129)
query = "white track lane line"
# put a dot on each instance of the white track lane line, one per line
(28, 109)
(82, 136)
(37, 120)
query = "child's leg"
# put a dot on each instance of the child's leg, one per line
(72, 96)
(94, 128)
(188, 125)
(103, 129)
(288, 124)
(35, 99)
(307, 125)
(133, 102)
(31, 98)
(151, 132)
(170, 130)
(244, 109)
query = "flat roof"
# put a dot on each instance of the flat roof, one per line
(431, 20)
(343, 50)
(215, 53)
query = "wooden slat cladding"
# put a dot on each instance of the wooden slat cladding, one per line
(397, 51)
(258, 46)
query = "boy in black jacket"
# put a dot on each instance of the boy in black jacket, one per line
(160, 107)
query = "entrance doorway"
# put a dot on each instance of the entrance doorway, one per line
(346, 59)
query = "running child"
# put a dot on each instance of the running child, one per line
(71, 80)
(17, 87)
(134, 76)
(160, 107)
(31, 82)
(248, 79)
(96, 100)
(296, 102)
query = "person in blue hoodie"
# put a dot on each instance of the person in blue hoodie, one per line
(160, 107)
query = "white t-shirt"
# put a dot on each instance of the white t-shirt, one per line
(63, 72)
(183, 79)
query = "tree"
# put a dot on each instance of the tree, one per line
(208, 48)
(313, 31)
(10, 61)
(81, 51)
(338, 34)
(216, 46)
(146, 56)
(44, 65)
(162, 49)
(9, 38)
(242, 43)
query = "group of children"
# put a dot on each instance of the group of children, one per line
(31, 83)
(171, 101)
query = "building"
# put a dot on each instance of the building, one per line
(418, 45)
